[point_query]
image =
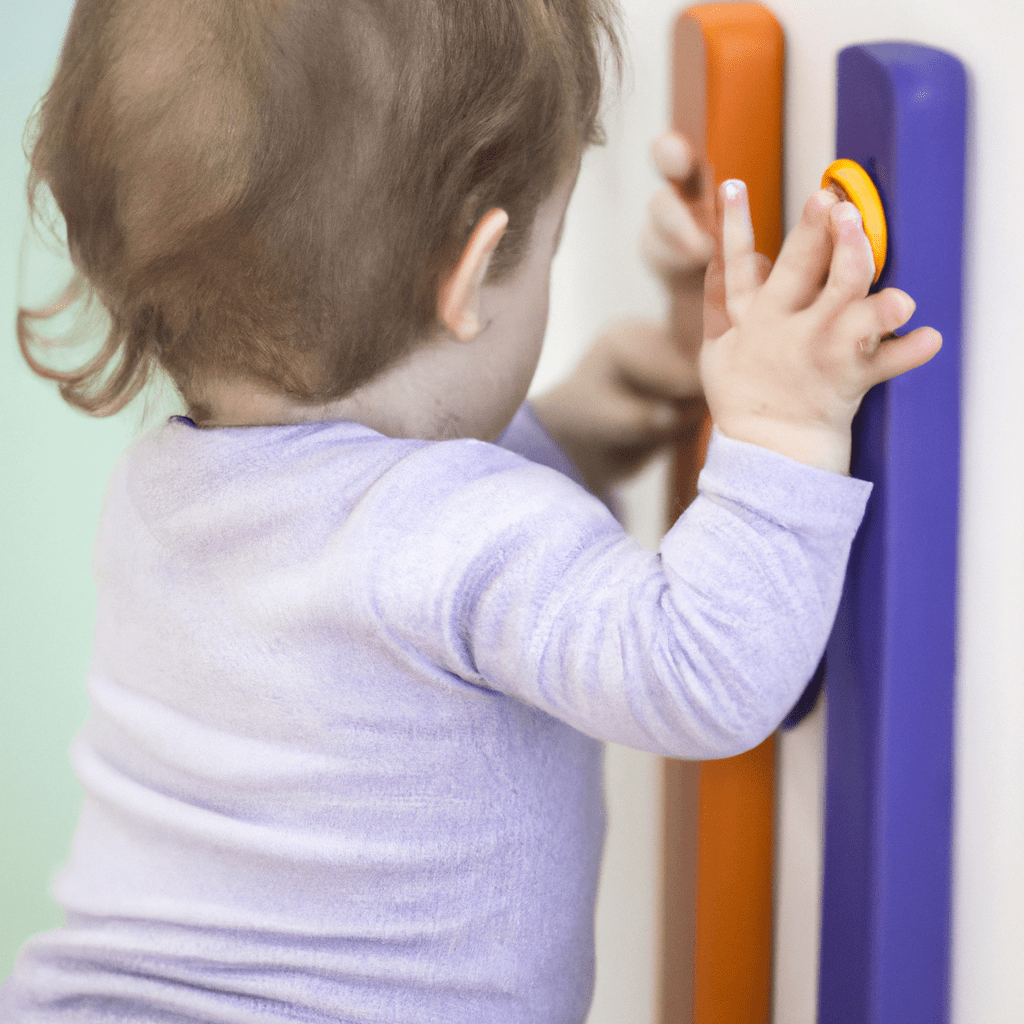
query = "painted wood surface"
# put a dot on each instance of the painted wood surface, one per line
(728, 94)
(891, 660)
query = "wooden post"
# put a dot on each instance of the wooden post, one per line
(718, 847)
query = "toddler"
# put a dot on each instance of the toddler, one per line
(362, 624)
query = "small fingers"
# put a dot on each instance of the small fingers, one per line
(875, 317)
(762, 267)
(891, 309)
(716, 319)
(673, 243)
(742, 269)
(678, 162)
(852, 269)
(646, 360)
(873, 322)
(803, 262)
(897, 355)
(674, 157)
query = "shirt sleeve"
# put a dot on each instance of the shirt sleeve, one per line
(528, 437)
(512, 578)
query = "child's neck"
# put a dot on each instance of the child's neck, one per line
(432, 394)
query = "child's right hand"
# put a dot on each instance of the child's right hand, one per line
(805, 345)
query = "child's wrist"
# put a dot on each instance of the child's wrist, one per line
(822, 447)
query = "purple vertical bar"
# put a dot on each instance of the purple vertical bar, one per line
(891, 658)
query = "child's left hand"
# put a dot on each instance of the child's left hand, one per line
(638, 389)
(678, 240)
(632, 394)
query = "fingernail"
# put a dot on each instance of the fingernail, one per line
(732, 188)
(849, 215)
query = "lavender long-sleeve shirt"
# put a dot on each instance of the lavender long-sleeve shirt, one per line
(343, 760)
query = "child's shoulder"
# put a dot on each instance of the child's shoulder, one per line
(341, 464)
(355, 504)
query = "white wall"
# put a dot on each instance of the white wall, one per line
(598, 277)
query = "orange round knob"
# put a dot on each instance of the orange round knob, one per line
(856, 185)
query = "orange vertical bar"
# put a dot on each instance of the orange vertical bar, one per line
(728, 80)
(733, 940)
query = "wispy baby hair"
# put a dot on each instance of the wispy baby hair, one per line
(271, 190)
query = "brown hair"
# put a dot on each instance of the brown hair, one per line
(272, 189)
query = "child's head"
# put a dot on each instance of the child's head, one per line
(273, 190)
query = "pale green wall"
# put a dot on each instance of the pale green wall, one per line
(54, 464)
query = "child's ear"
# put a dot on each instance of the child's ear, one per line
(458, 301)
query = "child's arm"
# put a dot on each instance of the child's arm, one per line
(637, 389)
(702, 649)
(632, 394)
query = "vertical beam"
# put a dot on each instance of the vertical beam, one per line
(891, 658)
(728, 87)
(681, 799)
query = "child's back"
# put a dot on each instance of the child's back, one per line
(290, 809)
